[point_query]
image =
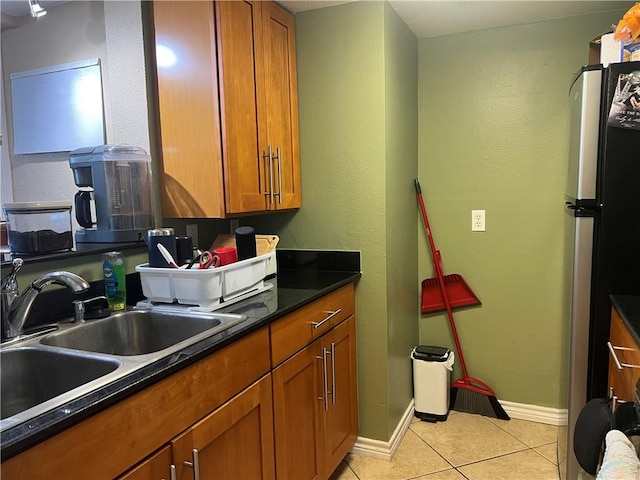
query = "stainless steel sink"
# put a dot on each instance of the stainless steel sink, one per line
(31, 376)
(46, 372)
(133, 332)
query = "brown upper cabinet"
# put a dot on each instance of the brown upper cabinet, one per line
(227, 108)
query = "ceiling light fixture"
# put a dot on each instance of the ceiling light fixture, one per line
(36, 9)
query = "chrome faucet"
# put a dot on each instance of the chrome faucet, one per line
(13, 322)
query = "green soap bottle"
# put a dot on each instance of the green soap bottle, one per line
(115, 286)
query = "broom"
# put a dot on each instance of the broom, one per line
(468, 394)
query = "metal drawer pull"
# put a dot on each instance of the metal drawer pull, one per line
(333, 373)
(173, 472)
(619, 365)
(195, 464)
(331, 315)
(325, 380)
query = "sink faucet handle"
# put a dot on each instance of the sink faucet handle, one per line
(80, 307)
(10, 283)
(78, 311)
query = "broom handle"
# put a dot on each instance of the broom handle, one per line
(437, 266)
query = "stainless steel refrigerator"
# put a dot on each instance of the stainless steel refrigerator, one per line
(602, 228)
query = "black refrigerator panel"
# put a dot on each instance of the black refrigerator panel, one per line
(616, 251)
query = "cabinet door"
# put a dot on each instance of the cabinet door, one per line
(156, 467)
(234, 441)
(341, 418)
(281, 94)
(188, 110)
(239, 31)
(297, 422)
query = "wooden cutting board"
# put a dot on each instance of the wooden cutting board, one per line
(264, 243)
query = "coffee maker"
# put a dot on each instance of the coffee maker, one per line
(114, 202)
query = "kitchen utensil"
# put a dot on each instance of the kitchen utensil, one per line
(167, 256)
(166, 237)
(468, 394)
(184, 250)
(208, 259)
(246, 242)
(227, 255)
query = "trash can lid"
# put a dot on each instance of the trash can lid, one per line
(431, 353)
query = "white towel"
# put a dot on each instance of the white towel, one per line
(620, 460)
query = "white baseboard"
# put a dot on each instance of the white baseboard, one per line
(382, 449)
(521, 411)
(535, 413)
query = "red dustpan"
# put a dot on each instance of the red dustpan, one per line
(458, 292)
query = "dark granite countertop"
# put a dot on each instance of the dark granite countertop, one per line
(302, 277)
(628, 306)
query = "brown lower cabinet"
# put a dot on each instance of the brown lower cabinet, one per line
(159, 465)
(234, 441)
(278, 403)
(315, 406)
(314, 390)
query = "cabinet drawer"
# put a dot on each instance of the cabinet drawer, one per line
(291, 333)
(628, 354)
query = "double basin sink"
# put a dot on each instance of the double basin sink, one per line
(45, 372)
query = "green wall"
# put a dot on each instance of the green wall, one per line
(401, 166)
(357, 84)
(493, 135)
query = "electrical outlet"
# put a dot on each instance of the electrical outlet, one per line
(477, 221)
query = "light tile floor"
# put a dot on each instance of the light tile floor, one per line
(466, 446)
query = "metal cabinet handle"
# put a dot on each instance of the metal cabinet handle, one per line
(271, 175)
(279, 175)
(172, 472)
(195, 464)
(269, 155)
(326, 319)
(333, 373)
(613, 355)
(612, 351)
(325, 380)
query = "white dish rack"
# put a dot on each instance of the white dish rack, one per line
(205, 288)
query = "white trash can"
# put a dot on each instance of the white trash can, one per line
(432, 368)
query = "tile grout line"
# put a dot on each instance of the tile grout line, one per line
(431, 447)
(352, 470)
(525, 447)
